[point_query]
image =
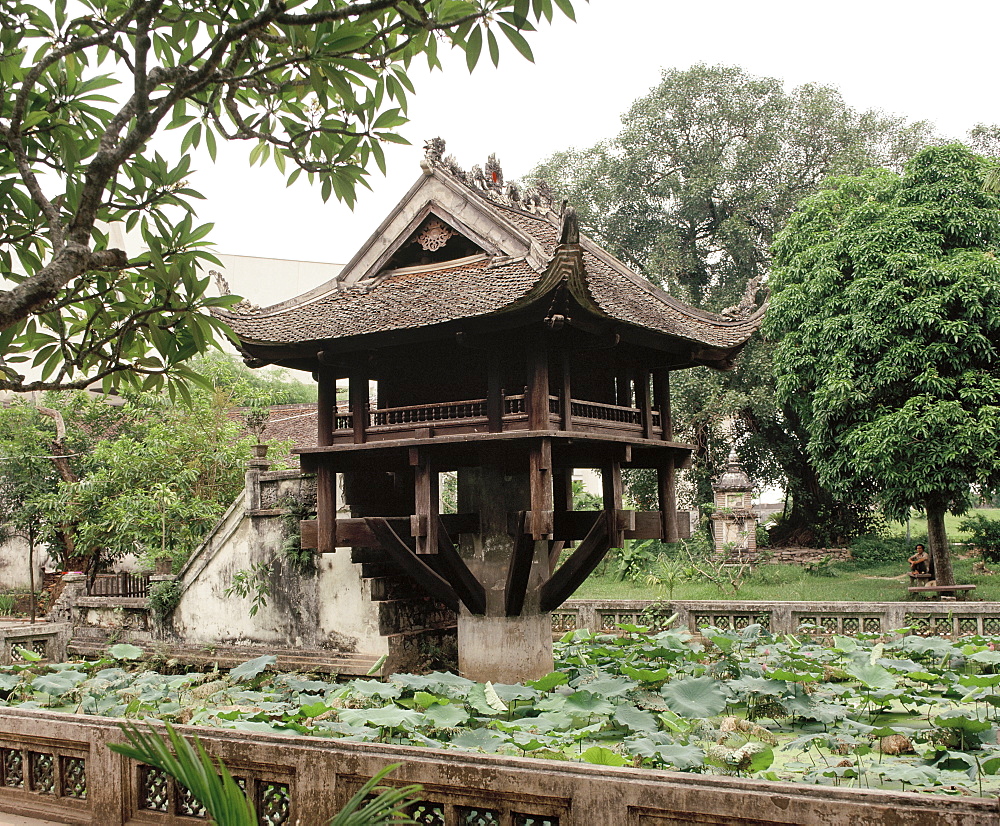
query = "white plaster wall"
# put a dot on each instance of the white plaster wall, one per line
(329, 609)
(14, 571)
(345, 606)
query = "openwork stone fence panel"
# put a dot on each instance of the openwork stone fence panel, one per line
(953, 619)
(58, 767)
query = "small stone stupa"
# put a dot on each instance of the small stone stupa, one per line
(734, 523)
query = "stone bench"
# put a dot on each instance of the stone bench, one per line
(958, 591)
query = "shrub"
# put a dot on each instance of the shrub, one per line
(870, 551)
(163, 598)
(984, 534)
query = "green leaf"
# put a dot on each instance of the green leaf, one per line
(601, 756)
(252, 668)
(694, 697)
(125, 651)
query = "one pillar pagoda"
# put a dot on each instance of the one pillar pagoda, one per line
(477, 331)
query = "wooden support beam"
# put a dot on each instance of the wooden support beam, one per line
(426, 507)
(326, 406)
(566, 393)
(611, 481)
(645, 403)
(540, 481)
(412, 565)
(666, 486)
(358, 399)
(555, 551)
(326, 509)
(519, 569)
(494, 392)
(661, 398)
(462, 580)
(562, 489)
(570, 575)
(538, 387)
(354, 533)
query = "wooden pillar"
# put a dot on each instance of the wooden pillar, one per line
(326, 508)
(326, 406)
(611, 481)
(623, 388)
(667, 490)
(661, 397)
(540, 484)
(566, 394)
(494, 392)
(562, 489)
(424, 523)
(644, 403)
(538, 387)
(358, 395)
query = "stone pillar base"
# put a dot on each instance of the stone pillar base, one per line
(504, 649)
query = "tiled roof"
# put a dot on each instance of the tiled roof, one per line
(424, 296)
(413, 297)
(288, 422)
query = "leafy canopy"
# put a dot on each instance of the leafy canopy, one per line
(316, 86)
(886, 311)
(705, 171)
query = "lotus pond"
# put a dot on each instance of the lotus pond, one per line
(915, 713)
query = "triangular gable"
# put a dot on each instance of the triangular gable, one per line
(436, 195)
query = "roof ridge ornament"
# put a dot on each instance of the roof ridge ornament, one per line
(488, 180)
(569, 231)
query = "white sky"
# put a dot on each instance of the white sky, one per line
(934, 61)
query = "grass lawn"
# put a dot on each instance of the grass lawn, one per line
(841, 581)
(791, 582)
(918, 524)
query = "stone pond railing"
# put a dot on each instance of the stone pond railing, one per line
(58, 767)
(952, 619)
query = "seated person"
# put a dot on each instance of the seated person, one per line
(920, 561)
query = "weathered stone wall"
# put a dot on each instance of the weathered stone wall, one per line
(14, 570)
(945, 618)
(330, 608)
(305, 780)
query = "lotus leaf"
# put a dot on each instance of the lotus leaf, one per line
(695, 697)
(252, 668)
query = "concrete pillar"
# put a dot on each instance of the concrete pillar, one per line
(495, 647)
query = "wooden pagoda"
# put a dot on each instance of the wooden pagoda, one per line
(477, 331)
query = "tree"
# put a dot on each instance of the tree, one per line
(314, 85)
(886, 313)
(706, 170)
(96, 482)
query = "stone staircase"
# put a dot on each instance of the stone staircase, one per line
(317, 660)
(420, 630)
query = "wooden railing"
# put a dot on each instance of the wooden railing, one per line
(475, 412)
(606, 413)
(119, 585)
(423, 413)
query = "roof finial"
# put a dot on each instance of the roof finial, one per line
(569, 233)
(434, 151)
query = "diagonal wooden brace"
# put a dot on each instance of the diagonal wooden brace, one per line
(464, 582)
(412, 565)
(519, 569)
(570, 575)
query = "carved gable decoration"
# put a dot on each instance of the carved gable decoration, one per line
(434, 241)
(434, 234)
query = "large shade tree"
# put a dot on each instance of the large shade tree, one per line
(316, 86)
(707, 168)
(886, 313)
